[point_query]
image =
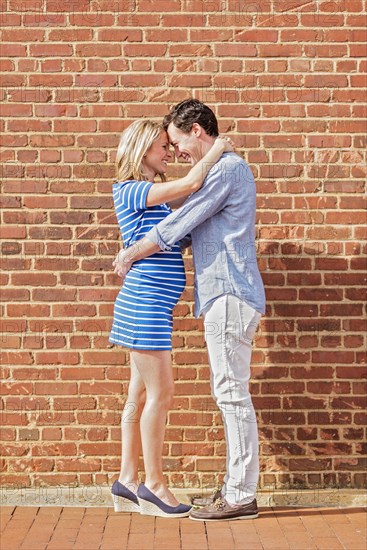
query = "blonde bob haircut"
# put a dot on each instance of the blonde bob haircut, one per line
(135, 141)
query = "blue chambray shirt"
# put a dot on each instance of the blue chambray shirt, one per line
(221, 220)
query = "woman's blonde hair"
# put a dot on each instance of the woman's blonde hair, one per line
(135, 141)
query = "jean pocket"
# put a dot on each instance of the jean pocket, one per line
(249, 320)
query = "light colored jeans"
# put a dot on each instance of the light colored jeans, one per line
(230, 326)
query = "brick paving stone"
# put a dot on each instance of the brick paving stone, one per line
(245, 535)
(66, 533)
(269, 531)
(56, 528)
(116, 532)
(73, 513)
(29, 544)
(190, 527)
(22, 512)
(46, 514)
(112, 544)
(328, 543)
(341, 533)
(41, 536)
(60, 544)
(92, 539)
(118, 523)
(315, 524)
(301, 543)
(167, 534)
(7, 510)
(348, 533)
(5, 516)
(248, 544)
(142, 524)
(10, 543)
(246, 528)
(357, 515)
(294, 530)
(68, 523)
(219, 535)
(141, 541)
(86, 545)
(188, 542)
(334, 516)
(167, 544)
(193, 534)
(12, 537)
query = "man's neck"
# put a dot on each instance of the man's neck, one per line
(206, 144)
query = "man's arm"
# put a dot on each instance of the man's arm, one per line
(205, 203)
(200, 206)
(178, 202)
(183, 187)
(126, 257)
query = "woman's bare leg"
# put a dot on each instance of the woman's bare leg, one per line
(130, 429)
(155, 368)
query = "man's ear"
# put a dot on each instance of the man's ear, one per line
(196, 129)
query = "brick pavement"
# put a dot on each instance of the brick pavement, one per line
(58, 528)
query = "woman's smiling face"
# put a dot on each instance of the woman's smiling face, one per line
(157, 157)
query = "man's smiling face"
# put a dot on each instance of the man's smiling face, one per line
(186, 145)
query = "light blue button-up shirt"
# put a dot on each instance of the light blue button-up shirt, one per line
(221, 220)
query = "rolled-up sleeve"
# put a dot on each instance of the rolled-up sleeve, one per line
(210, 199)
(155, 236)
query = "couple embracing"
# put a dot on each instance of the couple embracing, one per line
(215, 214)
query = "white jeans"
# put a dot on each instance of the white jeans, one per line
(230, 326)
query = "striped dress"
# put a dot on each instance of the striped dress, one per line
(142, 317)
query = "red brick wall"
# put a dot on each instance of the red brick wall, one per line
(286, 81)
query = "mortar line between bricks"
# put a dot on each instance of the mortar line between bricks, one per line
(55, 525)
(206, 534)
(104, 530)
(154, 530)
(128, 532)
(58, 521)
(319, 514)
(180, 533)
(283, 530)
(258, 533)
(26, 534)
(330, 525)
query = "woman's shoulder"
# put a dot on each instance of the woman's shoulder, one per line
(119, 184)
(135, 186)
(127, 182)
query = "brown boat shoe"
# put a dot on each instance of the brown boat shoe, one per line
(201, 501)
(217, 494)
(221, 510)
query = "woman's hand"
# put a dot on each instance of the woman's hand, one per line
(225, 142)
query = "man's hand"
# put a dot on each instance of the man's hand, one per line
(122, 263)
(137, 251)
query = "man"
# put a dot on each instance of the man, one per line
(229, 292)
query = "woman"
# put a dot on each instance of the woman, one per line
(143, 311)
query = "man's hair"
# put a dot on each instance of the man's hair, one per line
(189, 111)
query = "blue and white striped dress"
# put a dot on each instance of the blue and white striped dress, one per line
(142, 316)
